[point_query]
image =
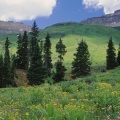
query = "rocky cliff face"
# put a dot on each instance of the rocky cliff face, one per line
(13, 27)
(112, 20)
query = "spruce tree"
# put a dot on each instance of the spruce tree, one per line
(34, 38)
(118, 57)
(36, 70)
(25, 51)
(22, 51)
(7, 77)
(59, 74)
(111, 62)
(19, 52)
(47, 55)
(1, 71)
(81, 63)
(60, 49)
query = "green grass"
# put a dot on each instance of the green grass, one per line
(89, 98)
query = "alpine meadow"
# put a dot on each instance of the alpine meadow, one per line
(67, 71)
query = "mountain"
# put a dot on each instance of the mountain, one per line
(13, 27)
(112, 20)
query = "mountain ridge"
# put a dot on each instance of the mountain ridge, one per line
(13, 27)
(112, 20)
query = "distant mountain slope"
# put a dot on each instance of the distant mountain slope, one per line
(112, 20)
(13, 27)
(80, 29)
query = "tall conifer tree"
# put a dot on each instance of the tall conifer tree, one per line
(60, 69)
(36, 70)
(25, 51)
(19, 52)
(22, 51)
(118, 57)
(47, 55)
(34, 38)
(81, 63)
(60, 49)
(7, 79)
(1, 71)
(111, 62)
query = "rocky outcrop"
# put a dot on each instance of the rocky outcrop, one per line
(112, 20)
(13, 27)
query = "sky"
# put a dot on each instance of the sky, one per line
(49, 12)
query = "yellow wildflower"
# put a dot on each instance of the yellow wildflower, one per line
(27, 114)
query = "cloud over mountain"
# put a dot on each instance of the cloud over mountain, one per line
(25, 9)
(109, 6)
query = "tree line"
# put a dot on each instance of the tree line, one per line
(34, 56)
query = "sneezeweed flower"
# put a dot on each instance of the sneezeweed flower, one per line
(106, 85)
(73, 99)
(82, 106)
(86, 95)
(64, 93)
(114, 92)
(27, 114)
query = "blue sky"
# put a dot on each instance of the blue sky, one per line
(67, 10)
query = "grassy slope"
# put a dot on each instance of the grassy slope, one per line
(72, 33)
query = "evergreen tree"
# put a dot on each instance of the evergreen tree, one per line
(60, 69)
(25, 51)
(60, 49)
(36, 71)
(34, 35)
(1, 71)
(81, 63)
(47, 55)
(111, 55)
(118, 57)
(22, 51)
(19, 52)
(7, 79)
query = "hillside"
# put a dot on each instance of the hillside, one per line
(112, 20)
(96, 36)
(71, 33)
(81, 29)
(12, 27)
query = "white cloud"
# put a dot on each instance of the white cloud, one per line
(109, 6)
(25, 9)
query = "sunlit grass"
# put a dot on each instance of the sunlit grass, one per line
(83, 98)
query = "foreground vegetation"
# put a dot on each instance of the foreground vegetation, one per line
(91, 98)
(94, 97)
